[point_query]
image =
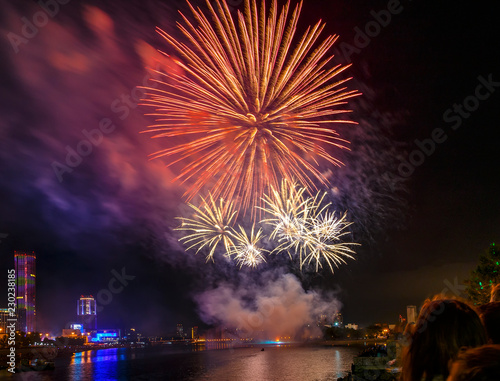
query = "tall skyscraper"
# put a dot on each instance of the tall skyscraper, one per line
(4, 315)
(86, 311)
(411, 314)
(25, 290)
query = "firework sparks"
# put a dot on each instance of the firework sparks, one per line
(210, 225)
(306, 227)
(254, 104)
(322, 241)
(246, 249)
(301, 226)
(285, 207)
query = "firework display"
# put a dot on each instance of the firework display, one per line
(301, 226)
(321, 241)
(248, 118)
(246, 250)
(252, 105)
(305, 226)
(210, 225)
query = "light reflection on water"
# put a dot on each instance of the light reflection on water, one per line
(101, 364)
(193, 363)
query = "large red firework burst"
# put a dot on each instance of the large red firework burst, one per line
(253, 104)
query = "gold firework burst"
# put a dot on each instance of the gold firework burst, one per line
(210, 225)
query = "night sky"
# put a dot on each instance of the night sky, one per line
(421, 226)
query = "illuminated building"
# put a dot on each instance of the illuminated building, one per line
(180, 330)
(105, 336)
(194, 333)
(25, 290)
(338, 320)
(4, 315)
(352, 326)
(71, 333)
(132, 335)
(86, 311)
(411, 314)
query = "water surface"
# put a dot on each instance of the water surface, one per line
(183, 363)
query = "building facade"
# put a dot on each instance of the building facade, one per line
(4, 315)
(411, 314)
(105, 336)
(179, 331)
(338, 320)
(25, 265)
(87, 313)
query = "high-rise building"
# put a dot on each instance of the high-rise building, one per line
(87, 314)
(25, 290)
(411, 314)
(180, 331)
(4, 315)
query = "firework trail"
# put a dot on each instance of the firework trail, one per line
(284, 207)
(306, 227)
(302, 226)
(210, 225)
(253, 105)
(246, 250)
(322, 241)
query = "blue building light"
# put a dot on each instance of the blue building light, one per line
(104, 336)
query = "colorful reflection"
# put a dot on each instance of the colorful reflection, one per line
(103, 364)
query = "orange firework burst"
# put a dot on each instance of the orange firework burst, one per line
(254, 103)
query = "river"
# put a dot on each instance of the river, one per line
(183, 363)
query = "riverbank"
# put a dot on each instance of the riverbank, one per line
(349, 342)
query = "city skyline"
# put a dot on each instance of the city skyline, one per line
(86, 314)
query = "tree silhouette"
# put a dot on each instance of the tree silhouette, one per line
(486, 275)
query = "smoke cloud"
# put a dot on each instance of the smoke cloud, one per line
(274, 305)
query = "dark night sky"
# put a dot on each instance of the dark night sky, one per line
(116, 209)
